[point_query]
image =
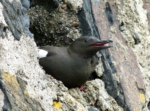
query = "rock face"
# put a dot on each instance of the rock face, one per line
(57, 27)
(118, 64)
(25, 86)
(17, 18)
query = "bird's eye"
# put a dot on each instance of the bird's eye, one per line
(86, 40)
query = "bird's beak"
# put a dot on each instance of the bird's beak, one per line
(102, 44)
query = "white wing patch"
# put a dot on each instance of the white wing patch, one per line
(42, 53)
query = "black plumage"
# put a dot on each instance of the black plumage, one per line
(72, 65)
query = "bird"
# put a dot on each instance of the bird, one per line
(72, 64)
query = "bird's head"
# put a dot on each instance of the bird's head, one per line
(88, 45)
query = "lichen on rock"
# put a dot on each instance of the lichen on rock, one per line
(136, 25)
(22, 79)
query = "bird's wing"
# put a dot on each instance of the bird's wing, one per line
(46, 51)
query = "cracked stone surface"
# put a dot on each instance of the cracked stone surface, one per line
(22, 78)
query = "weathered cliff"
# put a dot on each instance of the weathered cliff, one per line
(122, 75)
